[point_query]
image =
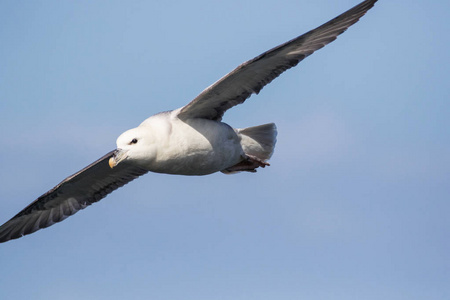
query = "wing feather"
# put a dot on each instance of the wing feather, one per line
(250, 77)
(71, 195)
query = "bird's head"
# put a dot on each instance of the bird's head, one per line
(135, 145)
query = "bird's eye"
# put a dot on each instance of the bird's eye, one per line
(133, 141)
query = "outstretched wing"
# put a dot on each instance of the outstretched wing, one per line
(73, 194)
(250, 77)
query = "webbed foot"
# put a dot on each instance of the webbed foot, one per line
(249, 164)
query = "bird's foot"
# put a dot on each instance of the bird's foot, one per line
(249, 164)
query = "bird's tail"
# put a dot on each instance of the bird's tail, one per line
(259, 141)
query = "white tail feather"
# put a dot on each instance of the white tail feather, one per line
(259, 140)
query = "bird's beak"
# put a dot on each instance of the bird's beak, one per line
(117, 157)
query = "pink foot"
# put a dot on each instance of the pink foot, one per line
(249, 164)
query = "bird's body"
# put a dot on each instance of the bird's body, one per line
(191, 140)
(196, 146)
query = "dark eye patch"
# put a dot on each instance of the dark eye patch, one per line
(133, 141)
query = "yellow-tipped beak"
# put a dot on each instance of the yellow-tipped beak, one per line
(112, 162)
(117, 157)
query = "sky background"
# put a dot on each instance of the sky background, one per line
(355, 204)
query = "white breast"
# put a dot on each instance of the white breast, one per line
(196, 147)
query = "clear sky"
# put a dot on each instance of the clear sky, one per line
(354, 206)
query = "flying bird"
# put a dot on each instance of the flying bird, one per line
(191, 140)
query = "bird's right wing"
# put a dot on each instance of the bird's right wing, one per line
(73, 194)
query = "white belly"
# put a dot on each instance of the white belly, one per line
(198, 147)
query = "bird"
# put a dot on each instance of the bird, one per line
(191, 140)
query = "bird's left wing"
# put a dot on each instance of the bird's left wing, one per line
(250, 77)
(73, 194)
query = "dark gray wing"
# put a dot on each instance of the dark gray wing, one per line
(250, 77)
(73, 194)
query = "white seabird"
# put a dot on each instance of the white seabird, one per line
(190, 140)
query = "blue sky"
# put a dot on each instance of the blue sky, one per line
(355, 204)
